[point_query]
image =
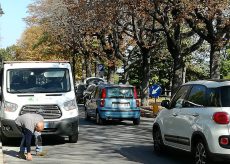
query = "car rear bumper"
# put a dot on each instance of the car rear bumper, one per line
(119, 114)
(219, 157)
(63, 127)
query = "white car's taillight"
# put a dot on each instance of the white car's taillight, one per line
(221, 117)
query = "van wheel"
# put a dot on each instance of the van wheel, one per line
(4, 139)
(158, 144)
(136, 121)
(73, 138)
(200, 153)
(99, 120)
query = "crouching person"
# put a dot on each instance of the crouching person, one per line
(30, 124)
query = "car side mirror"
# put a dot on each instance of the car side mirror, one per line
(165, 103)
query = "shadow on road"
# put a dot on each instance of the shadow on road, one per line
(46, 141)
(168, 157)
(11, 153)
(108, 122)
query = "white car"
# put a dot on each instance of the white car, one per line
(196, 120)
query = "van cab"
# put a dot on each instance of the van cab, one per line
(109, 102)
(45, 88)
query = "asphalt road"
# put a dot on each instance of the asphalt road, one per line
(115, 142)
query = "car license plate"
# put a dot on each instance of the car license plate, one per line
(120, 105)
(46, 125)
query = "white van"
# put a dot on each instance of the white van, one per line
(40, 87)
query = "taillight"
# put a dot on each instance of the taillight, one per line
(103, 93)
(135, 93)
(137, 102)
(224, 141)
(221, 117)
(102, 103)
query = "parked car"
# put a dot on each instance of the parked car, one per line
(88, 91)
(108, 102)
(196, 120)
(79, 93)
(94, 80)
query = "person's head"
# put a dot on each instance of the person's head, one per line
(39, 126)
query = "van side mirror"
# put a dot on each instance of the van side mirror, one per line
(165, 103)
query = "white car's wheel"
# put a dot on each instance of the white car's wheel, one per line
(158, 144)
(200, 153)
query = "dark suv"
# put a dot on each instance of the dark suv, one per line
(79, 93)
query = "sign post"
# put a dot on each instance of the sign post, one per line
(155, 91)
(101, 70)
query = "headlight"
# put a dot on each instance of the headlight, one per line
(70, 105)
(10, 107)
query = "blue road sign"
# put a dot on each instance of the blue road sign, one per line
(155, 91)
(100, 67)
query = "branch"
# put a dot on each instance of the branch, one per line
(195, 29)
(194, 47)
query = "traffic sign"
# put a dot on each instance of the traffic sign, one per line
(155, 91)
(100, 67)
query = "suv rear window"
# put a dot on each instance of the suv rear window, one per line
(225, 96)
(120, 92)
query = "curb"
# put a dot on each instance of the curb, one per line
(1, 154)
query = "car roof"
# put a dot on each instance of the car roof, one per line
(212, 83)
(114, 85)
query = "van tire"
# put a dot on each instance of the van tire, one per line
(136, 121)
(4, 139)
(73, 138)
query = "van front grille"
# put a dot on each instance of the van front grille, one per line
(47, 111)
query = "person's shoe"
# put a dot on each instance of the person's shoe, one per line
(42, 153)
(21, 155)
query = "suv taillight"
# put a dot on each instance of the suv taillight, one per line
(221, 117)
(135, 93)
(138, 103)
(102, 103)
(103, 93)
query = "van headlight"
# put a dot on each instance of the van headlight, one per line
(10, 107)
(70, 105)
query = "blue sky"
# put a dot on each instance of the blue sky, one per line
(11, 23)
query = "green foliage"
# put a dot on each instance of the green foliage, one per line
(8, 53)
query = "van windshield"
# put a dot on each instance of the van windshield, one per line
(38, 80)
(120, 92)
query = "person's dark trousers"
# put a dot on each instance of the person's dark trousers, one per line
(26, 140)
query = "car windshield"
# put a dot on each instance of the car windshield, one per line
(225, 96)
(38, 80)
(120, 92)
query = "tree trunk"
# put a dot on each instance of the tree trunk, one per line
(214, 63)
(110, 76)
(145, 78)
(178, 72)
(73, 67)
(87, 65)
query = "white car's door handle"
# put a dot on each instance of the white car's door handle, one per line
(175, 114)
(195, 114)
